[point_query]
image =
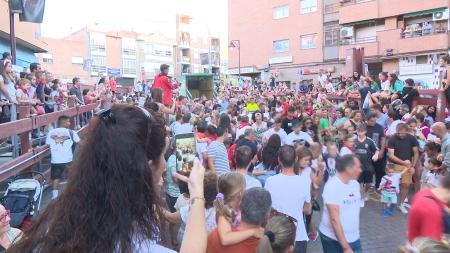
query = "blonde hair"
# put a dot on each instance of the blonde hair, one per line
(23, 82)
(426, 245)
(230, 186)
(279, 235)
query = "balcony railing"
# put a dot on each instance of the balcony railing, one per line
(331, 8)
(186, 59)
(350, 2)
(422, 32)
(352, 41)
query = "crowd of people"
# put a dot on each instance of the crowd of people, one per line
(267, 157)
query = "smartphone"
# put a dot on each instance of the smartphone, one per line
(186, 150)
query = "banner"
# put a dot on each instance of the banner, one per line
(32, 11)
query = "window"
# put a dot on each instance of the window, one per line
(280, 12)
(98, 60)
(97, 42)
(422, 59)
(281, 46)
(307, 6)
(332, 34)
(308, 41)
(77, 60)
(47, 58)
(129, 66)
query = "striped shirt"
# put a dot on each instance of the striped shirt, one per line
(218, 151)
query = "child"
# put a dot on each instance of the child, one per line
(389, 188)
(22, 95)
(231, 187)
(279, 235)
(435, 173)
(173, 165)
(431, 150)
(181, 216)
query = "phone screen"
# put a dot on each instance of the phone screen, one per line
(186, 150)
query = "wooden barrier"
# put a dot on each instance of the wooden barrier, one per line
(23, 127)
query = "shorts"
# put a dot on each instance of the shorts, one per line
(366, 177)
(407, 177)
(388, 197)
(57, 170)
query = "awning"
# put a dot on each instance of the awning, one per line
(362, 22)
(423, 13)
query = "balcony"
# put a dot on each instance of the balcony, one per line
(331, 13)
(406, 43)
(370, 45)
(354, 11)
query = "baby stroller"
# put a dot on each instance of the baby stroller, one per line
(23, 197)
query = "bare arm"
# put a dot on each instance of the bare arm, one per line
(211, 164)
(307, 208)
(395, 159)
(172, 217)
(229, 237)
(333, 212)
(415, 156)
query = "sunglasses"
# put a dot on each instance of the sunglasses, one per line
(5, 216)
(274, 213)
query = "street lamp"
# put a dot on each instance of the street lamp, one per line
(237, 44)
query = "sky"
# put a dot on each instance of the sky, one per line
(146, 16)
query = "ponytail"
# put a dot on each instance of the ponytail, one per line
(222, 209)
(265, 245)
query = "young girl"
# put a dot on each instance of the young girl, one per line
(431, 150)
(279, 236)
(22, 94)
(434, 175)
(389, 188)
(231, 187)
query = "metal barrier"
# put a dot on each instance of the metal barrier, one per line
(24, 127)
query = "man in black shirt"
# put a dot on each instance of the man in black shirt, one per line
(376, 132)
(403, 150)
(286, 124)
(409, 93)
(366, 151)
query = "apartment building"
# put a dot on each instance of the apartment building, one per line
(28, 38)
(196, 52)
(295, 39)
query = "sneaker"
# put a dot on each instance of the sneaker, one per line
(392, 210)
(362, 203)
(313, 236)
(407, 205)
(406, 199)
(403, 209)
(385, 213)
(366, 198)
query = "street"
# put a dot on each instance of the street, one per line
(378, 234)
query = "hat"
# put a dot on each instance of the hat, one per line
(258, 114)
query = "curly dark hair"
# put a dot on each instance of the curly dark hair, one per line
(110, 202)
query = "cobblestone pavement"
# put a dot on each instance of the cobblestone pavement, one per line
(378, 234)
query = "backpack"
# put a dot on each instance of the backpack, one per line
(445, 215)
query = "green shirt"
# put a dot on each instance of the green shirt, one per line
(324, 124)
(375, 87)
(171, 187)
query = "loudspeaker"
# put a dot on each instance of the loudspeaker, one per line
(15, 6)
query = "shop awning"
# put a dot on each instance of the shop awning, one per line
(423, 13)
(362, 22)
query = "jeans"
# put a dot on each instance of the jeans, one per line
(332, 246)
(300, 247)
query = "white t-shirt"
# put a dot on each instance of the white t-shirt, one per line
(280, 132)
(348, 198)
(433, 180)
(61, 145)
(31, 92)
(241, 131)
(10, 88)
(392, 129)
(345, 151)
(184, 128)
(210, 217)
(251, 182)
(292, 137)
(391, 183)
(282, 189)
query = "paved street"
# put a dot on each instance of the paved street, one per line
(378, 234)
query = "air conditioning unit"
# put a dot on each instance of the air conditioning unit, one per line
(440, 15)
(347, 32)
(389, 52)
